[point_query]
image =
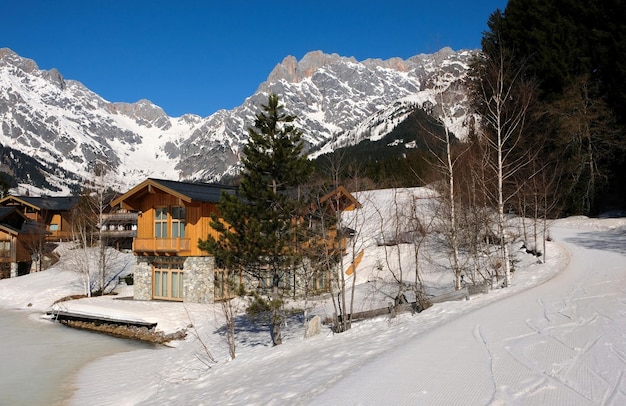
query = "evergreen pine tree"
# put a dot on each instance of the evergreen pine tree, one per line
(258, 234)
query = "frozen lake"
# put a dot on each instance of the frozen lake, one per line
(38, 358)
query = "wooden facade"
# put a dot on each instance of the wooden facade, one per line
(171, 218)
(16, 242)
(170, 222)
(53, 212)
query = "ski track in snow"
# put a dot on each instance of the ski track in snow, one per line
(557, 344)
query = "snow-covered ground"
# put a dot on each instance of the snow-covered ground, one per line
(555, 337)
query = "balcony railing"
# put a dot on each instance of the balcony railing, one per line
(119, 234)
(119, 217)
(58, 235)
(161, 245)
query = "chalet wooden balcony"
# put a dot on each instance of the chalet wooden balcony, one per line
(119, 233)
(162, 245)
(119, 225)
(59, 235)
(119, 217)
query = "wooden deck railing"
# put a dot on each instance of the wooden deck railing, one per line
(59, 235)
(119, 233)
(161, 244)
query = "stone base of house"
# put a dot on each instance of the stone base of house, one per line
(199, 275)
(142, 278)
(199, 279)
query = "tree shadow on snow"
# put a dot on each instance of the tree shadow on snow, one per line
(252, 331)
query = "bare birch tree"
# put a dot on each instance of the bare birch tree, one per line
(446, 158)
(504, 97)
(403, 230)
(342, 285)
(97, 264)
(82, 236)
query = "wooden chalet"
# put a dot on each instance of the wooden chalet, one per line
(53, 212)
(171, 218)
(17, 235)
(334, 202)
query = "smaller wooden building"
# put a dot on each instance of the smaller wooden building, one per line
(339, 200)
(52, 211)
(119, 227)
(17, 237)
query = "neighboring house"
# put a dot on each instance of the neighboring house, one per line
(53, 212)
(17, 235)
(333, 203)
(119, 228)
(339, 200)
(171, 218)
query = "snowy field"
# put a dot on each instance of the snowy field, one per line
(555, 337)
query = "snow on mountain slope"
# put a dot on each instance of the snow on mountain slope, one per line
(61, 121)
(338, 101)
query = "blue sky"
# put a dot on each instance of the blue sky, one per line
(201, 56)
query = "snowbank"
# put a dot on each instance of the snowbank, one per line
(198, 370)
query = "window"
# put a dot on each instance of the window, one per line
(177, 219)
(54, 227)
(285, 279)
(160, 222)
(320, 282)
(178, 222)
(177, 284)
(168, 281)
(5, 248)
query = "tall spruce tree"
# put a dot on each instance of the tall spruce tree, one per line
(258, 231)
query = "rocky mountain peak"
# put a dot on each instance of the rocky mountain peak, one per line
(143, 111)
(10, 58)
(293, 71)
(54, 76)
(337, 100)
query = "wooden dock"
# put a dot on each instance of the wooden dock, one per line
(62, 316)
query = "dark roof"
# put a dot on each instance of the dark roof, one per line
(8, 229)
(199, 192)
(55, 203)
(4, 211)
(12, 218)
(203, 192)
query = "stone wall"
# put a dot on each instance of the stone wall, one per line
(199, 274)
(142, 278)
(199, 279)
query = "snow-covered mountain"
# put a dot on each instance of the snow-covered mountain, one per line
(339, 101)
